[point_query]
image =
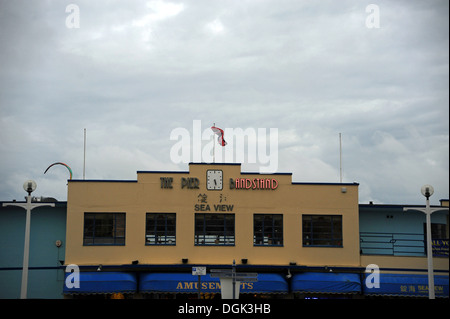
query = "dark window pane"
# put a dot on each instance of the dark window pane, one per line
(322, 230)
(160, 229)
(104, 229)
(268, 229)
(214, 229)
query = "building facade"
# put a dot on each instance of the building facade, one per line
(212, 214)
(141, 239)
(394, 238)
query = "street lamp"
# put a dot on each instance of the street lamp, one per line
(427, 191)
(29, 186)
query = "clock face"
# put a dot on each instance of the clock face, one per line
(214, 179)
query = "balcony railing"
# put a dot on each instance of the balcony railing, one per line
(400, 244)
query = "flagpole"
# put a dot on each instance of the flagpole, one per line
(340, 158)
(84, 156)
(214, 146)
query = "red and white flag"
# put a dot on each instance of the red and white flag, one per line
(220, 133)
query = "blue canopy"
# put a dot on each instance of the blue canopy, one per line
(103, 282)
(408, 285)
(187, 283)
(335, 283)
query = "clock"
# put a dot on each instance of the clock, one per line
(214, 179)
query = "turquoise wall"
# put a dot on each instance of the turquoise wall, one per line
(388, 230)
(374, 218)
(45, 277)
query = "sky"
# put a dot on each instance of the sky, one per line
(134, 72)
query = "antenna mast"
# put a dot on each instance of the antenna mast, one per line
(340, 157)
(84, 156)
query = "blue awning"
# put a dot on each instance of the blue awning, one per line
(334, 283)
(187, 283)
(268, 283)
(408, 285)
(102, 282)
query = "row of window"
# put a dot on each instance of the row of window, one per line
(212, 229)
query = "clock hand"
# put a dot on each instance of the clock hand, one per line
(215, 182)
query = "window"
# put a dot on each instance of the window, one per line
(438, 231)
(322, 230)
(268, 230)
(160, 229)
(104, 229)
(214, 229)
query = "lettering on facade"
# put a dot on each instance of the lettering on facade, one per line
(202, 198)
(191, 183)
(166, 182)
(190, 285)
(238, 183)
(217, 208)
(205, 207)
(440, 247)
(420, 289)
(256, 183)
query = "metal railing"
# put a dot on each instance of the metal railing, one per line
(400, 244)
(393, 244)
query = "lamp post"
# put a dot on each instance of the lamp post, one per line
(427, 191)
(29, 186)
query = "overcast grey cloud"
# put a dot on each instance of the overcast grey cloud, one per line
(136, 70)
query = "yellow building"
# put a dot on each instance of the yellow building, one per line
(230, 205)
(145, 235)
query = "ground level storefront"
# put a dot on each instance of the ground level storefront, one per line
(269, 285)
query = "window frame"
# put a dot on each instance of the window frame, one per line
(267, 230)
(97, 227)
(166, 232)
(224, 233)
(334, 239)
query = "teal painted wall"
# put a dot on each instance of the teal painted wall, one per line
(45, 277)
(388, 230)
(374, 219)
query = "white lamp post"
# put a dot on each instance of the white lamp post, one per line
(427, 191)
(28, 186)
